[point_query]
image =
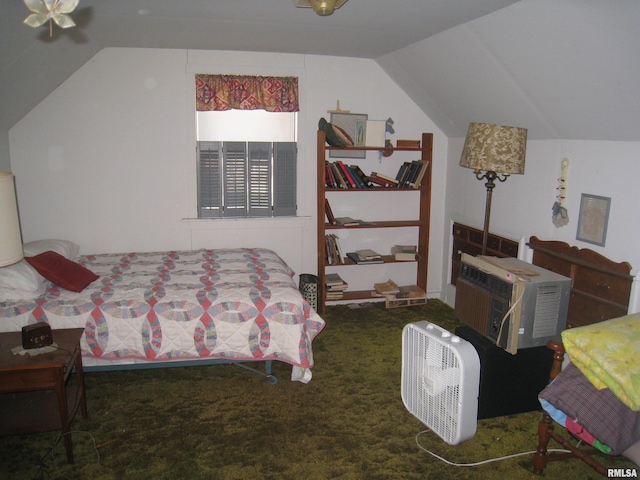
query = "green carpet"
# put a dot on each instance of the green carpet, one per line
(223, 422)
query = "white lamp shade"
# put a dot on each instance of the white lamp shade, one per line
(495, 148)
(10, 237)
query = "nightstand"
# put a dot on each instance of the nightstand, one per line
(38, 393)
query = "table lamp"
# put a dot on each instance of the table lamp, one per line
(10, 237)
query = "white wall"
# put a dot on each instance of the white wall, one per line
(108, 159)
(521, 206)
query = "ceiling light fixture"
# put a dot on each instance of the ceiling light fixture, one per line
(321, 7)
(47, 10)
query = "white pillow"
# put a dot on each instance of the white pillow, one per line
(21, 276)
(17, 294)
(65, 248)
(21, 280)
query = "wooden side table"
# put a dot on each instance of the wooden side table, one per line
(36, 393)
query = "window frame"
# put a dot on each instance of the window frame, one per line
(204, 62)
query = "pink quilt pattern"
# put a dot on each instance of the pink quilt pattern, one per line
(236, 304)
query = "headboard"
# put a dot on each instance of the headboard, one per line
(601, 287)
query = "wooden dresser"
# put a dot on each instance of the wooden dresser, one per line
(469, 240)
(600, 287)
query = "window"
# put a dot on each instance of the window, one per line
(246, 156)
(246, 179)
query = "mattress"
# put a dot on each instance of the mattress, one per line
(228, 304)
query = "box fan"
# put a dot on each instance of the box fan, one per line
(440, 380)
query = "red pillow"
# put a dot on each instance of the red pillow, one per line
(61, 271)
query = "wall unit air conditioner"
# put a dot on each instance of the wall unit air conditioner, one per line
(513, 303)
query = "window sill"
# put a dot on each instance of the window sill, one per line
(254, 222)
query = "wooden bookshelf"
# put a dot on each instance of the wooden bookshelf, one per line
(421, 222)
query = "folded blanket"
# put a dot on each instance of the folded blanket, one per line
(572, 426)
(600, 412)
(608, 354)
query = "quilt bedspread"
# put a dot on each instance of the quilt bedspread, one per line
(236, 304)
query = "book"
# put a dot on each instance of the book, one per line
(327, 208)
(386, 177)
(418, 181)
(346, 174)
(334, 280)
(387, 288)
(368, 254)
(356, 178)
(383, 182)
(338, 176)
(404, 252)
(335, 286)
(329, 179)
(327, 251)
(402, 174)
(338, 252)
(348, 222)
(358, 171)
(363, 261)
(410, 291)
(334, 253)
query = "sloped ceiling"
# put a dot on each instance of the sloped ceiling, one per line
(562, 68)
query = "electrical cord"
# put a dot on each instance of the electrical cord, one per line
(483, 462)
(506, 315)
(43, 468)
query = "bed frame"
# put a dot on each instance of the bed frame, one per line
(600, 291)
(267, 373)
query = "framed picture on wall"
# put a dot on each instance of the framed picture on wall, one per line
(352, 124)
(593, 219)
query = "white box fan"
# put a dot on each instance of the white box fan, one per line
(440, 380)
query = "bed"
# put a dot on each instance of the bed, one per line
(594, 390)
(158, 309)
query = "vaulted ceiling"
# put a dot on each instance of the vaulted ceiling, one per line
(565, 69)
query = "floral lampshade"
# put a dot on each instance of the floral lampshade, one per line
(494, 148)
(10, 237)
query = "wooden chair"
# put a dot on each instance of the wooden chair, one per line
(546, 431)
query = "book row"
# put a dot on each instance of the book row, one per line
(335, 286)
(335, 256)
(340, 175)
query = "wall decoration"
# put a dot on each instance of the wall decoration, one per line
(560, 215)
(347, 121)
(593, 219)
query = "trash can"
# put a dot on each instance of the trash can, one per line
(308, 287)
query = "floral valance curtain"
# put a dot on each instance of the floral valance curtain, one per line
(244, 92)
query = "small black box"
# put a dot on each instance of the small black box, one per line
(508, 383)
(37, 335)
